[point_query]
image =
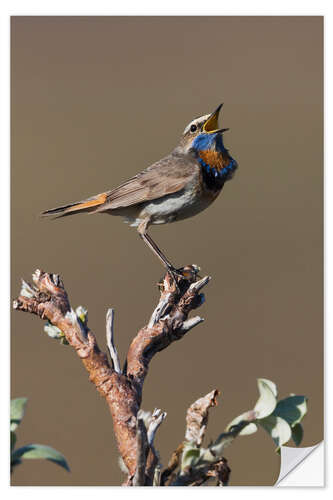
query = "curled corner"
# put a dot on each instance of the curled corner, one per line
(302, 466)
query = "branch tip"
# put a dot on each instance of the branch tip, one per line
(198, 285)
(36, 275)
(190, 323)
(156, 419)
(197, 417)
(27, 291)
(110, 340)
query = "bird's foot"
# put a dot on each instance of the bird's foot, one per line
(182, 277)
(189, 272)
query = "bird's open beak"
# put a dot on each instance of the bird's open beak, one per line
(212, 123)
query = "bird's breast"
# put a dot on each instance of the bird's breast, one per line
(217, 167)
(181, 205)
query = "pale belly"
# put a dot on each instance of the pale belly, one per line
(172, 208)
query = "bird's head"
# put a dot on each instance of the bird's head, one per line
(202, 132)
(203, 138)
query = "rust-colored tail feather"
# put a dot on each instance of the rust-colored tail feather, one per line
(88, 205)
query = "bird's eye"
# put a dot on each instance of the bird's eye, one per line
(193, 128)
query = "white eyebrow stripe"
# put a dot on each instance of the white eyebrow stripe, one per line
(196, 121)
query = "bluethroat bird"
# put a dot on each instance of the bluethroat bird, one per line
(176, 187)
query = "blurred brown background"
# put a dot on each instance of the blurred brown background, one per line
(94, 101)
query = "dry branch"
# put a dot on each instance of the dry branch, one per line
(143, 449)
(197, 417)
(167, 474)
(219, 470)
(168, 323)
(123, 391)
(196, 425)
(110, 340)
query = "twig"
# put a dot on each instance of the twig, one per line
(143, 448)
(190, 323)
(157, 476)
(196, 424)
(161, 308)
(212, 463)
(172, 465)
(169, 328)
(210, 460)
(197, 475)
(110, 340)
(197, 417)
(156, 419)
(220, 471)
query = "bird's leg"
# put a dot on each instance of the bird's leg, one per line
(187, 273)
(152, 245)
(170, 268)
(142, 229)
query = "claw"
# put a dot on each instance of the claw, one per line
(174, 274)
(184, 276)
(189, 272)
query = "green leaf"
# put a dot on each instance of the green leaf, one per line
(267, 400)
(270, 384)
(291, 409)
(297, 434)
(277, 428)
(251, 428)
(190, 456)
(224, 439)
(12, 440)
(217, 448)
(40, 451)
(17, 407)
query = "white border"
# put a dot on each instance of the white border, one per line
(142, 7)
(172, 7)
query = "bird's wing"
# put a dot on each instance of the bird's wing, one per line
(167, 176)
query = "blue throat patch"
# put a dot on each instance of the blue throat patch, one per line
(209, 141)
(213, 176)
